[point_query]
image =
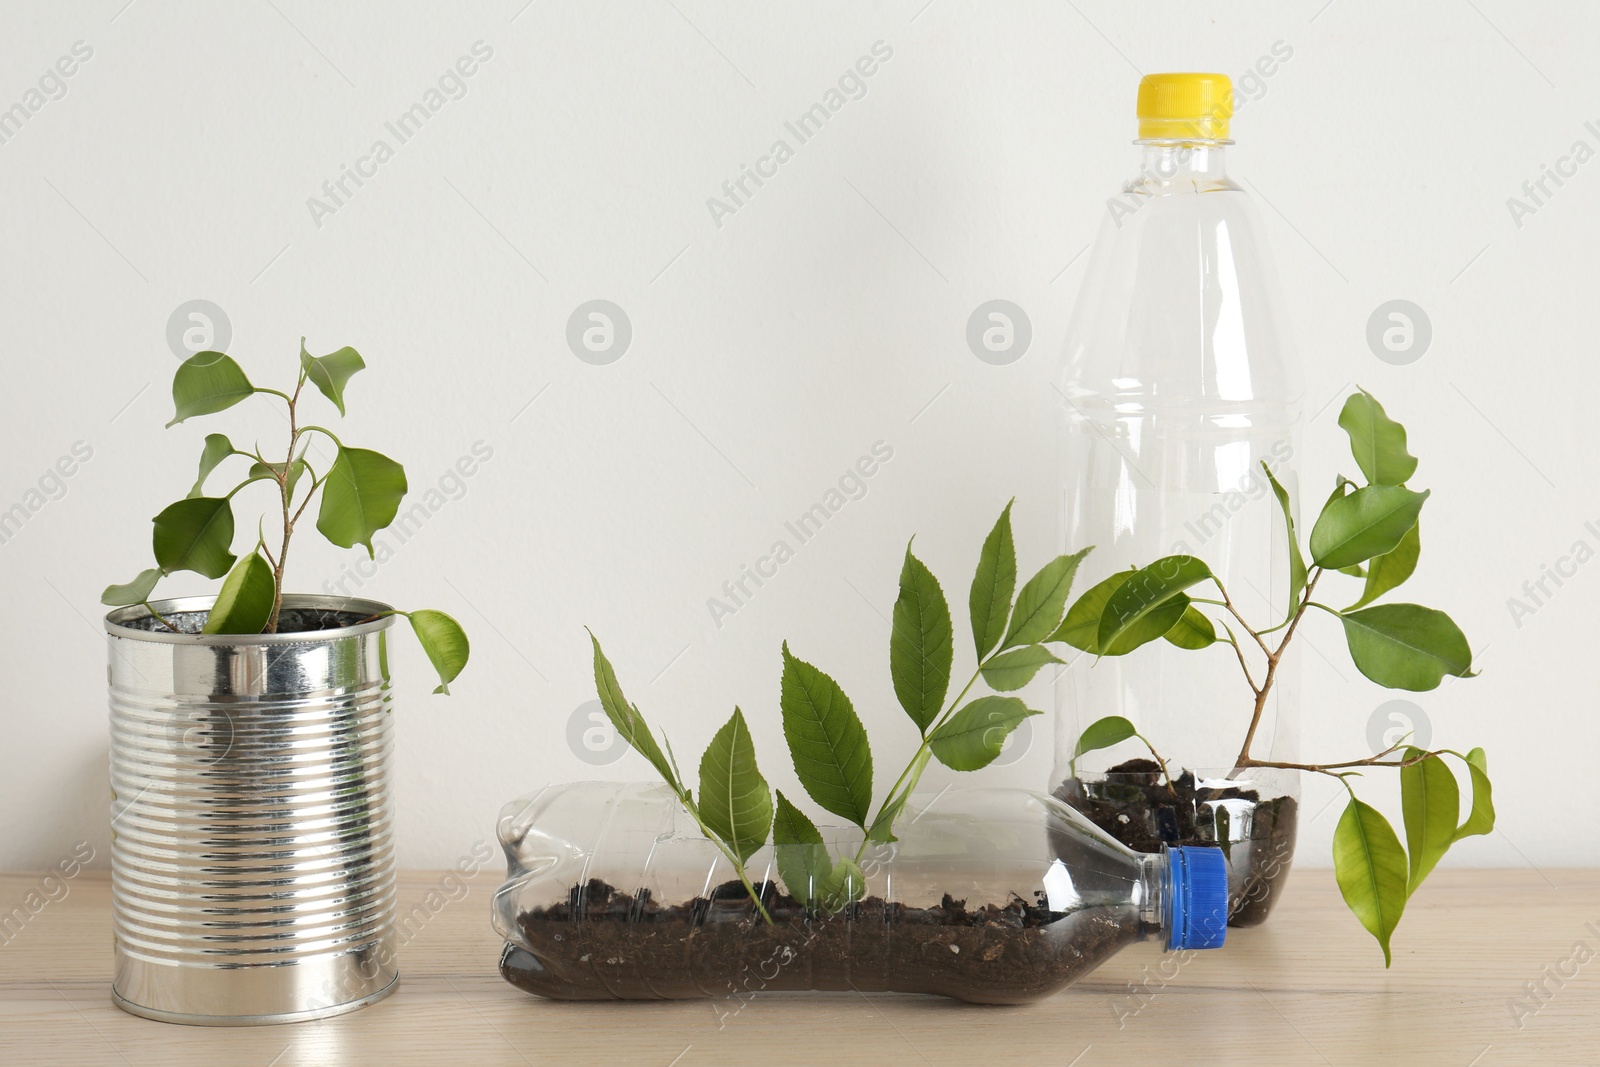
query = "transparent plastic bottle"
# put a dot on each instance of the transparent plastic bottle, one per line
(992, 896)
(1178, 379)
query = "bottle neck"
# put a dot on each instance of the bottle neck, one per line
(1185, 162)
(1154, 874)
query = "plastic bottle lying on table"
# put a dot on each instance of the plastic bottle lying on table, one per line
(995, 896)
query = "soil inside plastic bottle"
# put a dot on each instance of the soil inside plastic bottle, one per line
(604, 944)
(1135, 805)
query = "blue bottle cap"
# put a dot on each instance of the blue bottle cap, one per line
(1197, 897)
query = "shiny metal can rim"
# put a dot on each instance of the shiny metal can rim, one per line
(116, 621)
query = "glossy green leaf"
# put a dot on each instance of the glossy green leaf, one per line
(972, 738)
(826, 740)
(360, 496)
(921, 643)
(1297, 561)
(993, 585)
(1144, 594)
(1367, 523)
(1193, 630)
(270, 470)
(207, 382)
(195, 535)
(330, 373)
(1370, 867)
(1355, 570)
(1377, 441)
(1430, 803)
(1103, 733)
(217, 449)
(244, 603)
(1042, 601)
(1081, 627)
(800, 852)
(134, 592)
(735, 802)
(1406, 646)
(1012, 670)
(1481, 819)
(1391, 569)
(445, 642)
(627, 719)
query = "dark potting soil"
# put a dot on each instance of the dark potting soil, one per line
(1134, 804)
(290, 621)
(604, 944)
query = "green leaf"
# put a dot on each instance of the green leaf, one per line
(1392, 568)
(1370, 867)
(882, 829)
(207, 382)
(992, 586)
(245, 601)
(800, 852)
(1297, 562)
(1481, 819)
(1193, 630)
(921, 644)
(1369, 522)
(217, 449)
(845, 884)
(627, 718)
(1012, 670)
(445, 642)
(270, 470)
(1377, 441)
(195, 535)
(1081, 627)
(973, 737)
(1430, 802)
(330, 373)
(360, 496)
(826, 740)
(1355, 570)
(1042, 601)
(735, 803)
(1103, 733)
(1144, 594)
(134, 592)
(1406, 646)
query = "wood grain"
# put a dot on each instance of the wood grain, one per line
(1308, 987)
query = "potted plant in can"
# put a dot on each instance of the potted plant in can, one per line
(253, 864)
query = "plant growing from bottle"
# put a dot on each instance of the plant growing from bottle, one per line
(360, 494)
(1366, 531)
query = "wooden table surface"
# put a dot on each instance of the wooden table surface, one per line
(1307, 987)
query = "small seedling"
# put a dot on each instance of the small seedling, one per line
(360, 494)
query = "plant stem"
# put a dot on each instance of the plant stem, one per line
(288, 521)
(1273, 656)
(738, 865)
(157, 616)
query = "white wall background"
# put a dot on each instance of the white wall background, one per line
(771, 351)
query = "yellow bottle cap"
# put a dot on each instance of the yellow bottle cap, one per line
(1185, 107)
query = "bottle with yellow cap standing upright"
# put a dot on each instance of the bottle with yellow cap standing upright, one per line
(1177, 382)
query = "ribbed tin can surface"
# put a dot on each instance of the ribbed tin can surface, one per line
(253, 874)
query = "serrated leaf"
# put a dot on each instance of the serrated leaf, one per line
(445, 642)
(800, 852)
(882, 829)
(195, 535)
(627, 719)
(843, 885)
(1406, 646)
(921, 643)
(134, 592)
(1042, 601)
(1377, 441)
(1010, 671)
(826, 740)
(217, 448)
(330, 373)
(1103, 733)
(1367, 523)
(1391, 569)
(1481, 819)
(1145, 592)
(972, 738)
(207, 382)
(989, 601)
(1430, 803)
(1370, 867)
(244, 603)
(360, 496)
(735, 802)
(1297, 562)
(1192, 630)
